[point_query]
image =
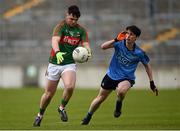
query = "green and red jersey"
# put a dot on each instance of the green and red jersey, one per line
(71, 37)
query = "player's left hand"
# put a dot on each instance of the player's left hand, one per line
(120, 36)
(89, 53)
(154, 88)
(86, 45)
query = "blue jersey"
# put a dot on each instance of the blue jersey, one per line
(124, 61)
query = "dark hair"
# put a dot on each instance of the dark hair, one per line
(134, 29)
(74, 10)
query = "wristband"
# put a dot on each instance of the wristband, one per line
(151, 82)
(57, 52)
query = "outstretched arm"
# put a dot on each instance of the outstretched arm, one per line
(149, 71)
(55, 43)
(150, 76)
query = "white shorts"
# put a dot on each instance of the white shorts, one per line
(54, 72)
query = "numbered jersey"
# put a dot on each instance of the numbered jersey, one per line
(71, 37)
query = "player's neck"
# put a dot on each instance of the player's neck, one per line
(130, 46)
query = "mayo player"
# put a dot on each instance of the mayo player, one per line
(67, 35)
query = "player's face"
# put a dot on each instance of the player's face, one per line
(71, 20)
(130, 37)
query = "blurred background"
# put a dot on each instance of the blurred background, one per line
(26, 28)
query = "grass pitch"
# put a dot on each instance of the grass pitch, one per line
(141, 110)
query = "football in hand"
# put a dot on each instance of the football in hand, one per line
(80, 55)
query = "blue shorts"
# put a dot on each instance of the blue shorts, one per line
(110, 84)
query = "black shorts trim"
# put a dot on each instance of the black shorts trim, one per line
(110, 84)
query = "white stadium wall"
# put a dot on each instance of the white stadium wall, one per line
(90, 77)
(11, 76)
(165, 77)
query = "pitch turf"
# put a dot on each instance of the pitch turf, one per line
(141, 110)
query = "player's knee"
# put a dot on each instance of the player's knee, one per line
(69, 87)
(49, 95)
(121, 94)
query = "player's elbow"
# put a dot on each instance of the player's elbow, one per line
(107, 44)
(103, 47)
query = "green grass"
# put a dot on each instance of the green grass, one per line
(141, 110)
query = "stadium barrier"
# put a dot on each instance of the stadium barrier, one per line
(87, 77)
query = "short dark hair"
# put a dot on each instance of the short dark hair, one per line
(74, 10)
(134, 29)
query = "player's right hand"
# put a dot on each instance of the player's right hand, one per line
(120, 36)
(154, 88)
(59, 56)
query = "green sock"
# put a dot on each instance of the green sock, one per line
(63, 103)
(41, 111)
